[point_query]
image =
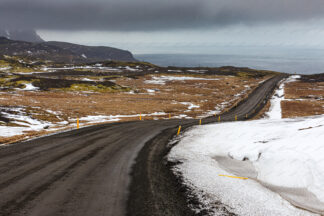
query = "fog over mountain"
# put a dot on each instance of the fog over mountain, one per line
(21, 35)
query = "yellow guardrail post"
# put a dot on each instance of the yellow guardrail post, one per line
(179, 130)
(140, 117)
(78, 123)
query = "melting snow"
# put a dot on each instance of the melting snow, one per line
(113, 118)
(4, 68)
(190, 105)
(275, 108)
(161, 80)
(30, 87)
(283, 159)
(20, 117)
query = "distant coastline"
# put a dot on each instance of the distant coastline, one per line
(288, 63)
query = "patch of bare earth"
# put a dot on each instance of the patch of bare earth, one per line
(303, 98)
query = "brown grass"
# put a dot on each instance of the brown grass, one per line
(205, 93)
(70, 105)
(306, 99)
(292, 109)
(304, 90)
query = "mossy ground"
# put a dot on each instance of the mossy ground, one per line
(96, 88)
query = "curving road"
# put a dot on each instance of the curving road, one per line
(89, 171)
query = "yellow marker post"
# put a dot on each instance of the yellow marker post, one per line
(140, 116)
(169, 116)
(179, 130)
(219, 118)
(235, 117)
(200, 122)
(78, 123)
(243, 178)
(246, 116)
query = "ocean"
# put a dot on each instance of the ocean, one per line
(302, 62)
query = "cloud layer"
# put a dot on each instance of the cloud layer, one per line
(151, 15)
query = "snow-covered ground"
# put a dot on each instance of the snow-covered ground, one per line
(279, 95)
(190, 105)
(30, 87)
(27, 123)
(115, 118)
(161, 80)
(4, 68)
(22, 120)
(283, 160)
(96, 66)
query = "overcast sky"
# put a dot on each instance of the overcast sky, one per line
(162, 25)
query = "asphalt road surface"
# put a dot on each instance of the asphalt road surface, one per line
(113, 169)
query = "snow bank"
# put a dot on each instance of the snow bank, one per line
(287, 156)
(279, 95)
(283, 160)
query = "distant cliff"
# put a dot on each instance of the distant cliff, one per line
(62, 52)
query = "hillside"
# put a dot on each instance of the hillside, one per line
(60, 52)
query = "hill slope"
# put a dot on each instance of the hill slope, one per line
(62, 52)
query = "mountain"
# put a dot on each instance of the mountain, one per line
(94, 52)
(21, 35)
(61, 52)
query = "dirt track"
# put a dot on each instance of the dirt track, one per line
(87, 171)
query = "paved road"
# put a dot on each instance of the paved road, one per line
(87, 171)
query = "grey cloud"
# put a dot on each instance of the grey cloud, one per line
(150, 15)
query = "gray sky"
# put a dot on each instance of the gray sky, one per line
(149, 24)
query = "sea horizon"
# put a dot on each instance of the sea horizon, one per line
(299, 63)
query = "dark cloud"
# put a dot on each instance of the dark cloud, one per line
(149, 15)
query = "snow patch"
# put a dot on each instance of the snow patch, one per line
(161, 80)
(30, 87)
(19, 117)
(190, 105)
(114, 118)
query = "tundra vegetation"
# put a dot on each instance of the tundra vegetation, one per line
(57, 94)
(304, 97)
